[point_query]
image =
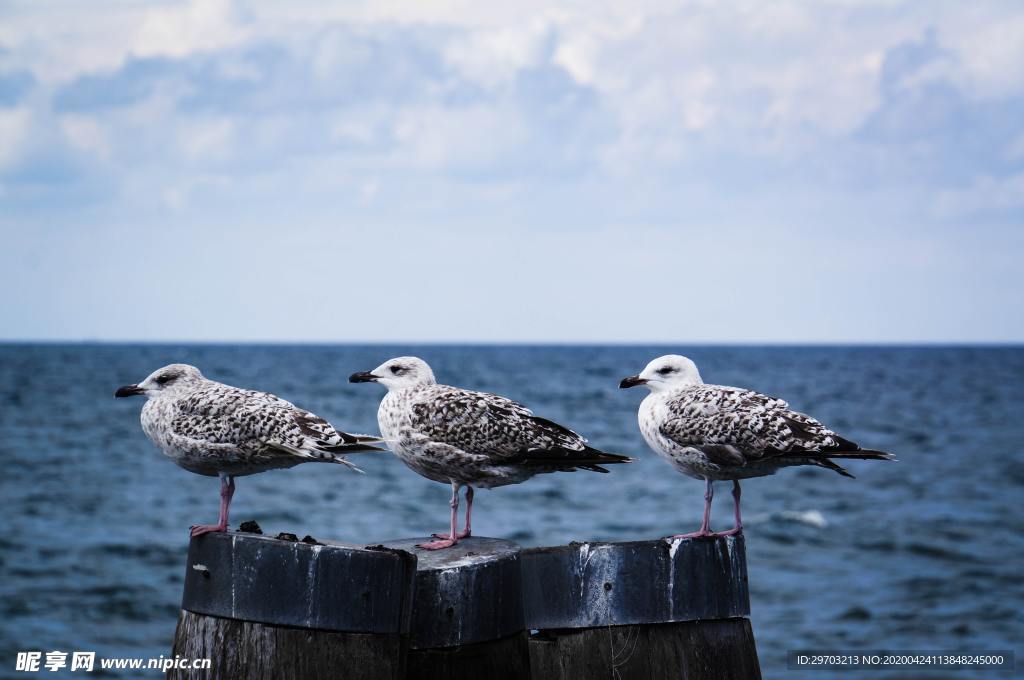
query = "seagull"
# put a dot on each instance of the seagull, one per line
(713, 432)
(472, 439)
(214, 429)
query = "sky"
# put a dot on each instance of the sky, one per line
(672, 172)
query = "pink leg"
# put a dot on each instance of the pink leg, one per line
(468, 531)
(705, 526)
(452, 538)
(469, 514)
(738, 526)
(227, 490)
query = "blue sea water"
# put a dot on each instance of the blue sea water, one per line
(922, 554)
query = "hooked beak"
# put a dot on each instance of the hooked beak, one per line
(364, 376)
(129, 391)
(632, 381)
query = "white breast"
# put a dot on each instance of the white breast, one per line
(651, 415)
(394, 418)
(156, 417)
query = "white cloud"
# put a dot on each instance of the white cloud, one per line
(577, 55)
(989, 47)
(182, 29)
(492, 57)
(688, 92)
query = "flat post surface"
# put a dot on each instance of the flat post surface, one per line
(466, 594)
(331, 586)
(585, 585)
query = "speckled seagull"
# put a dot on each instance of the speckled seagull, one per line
(214, 429)
(714, 433)
(471, 439)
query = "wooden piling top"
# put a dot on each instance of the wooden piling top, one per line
(465, 594)
(583, 585)
(326, 586)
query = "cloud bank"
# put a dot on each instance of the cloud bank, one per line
(863, 158)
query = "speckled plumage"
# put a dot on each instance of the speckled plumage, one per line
(211, 428)
(714, 432)
(450, 434)
(214, 429)
(719, 432)
(470, 439)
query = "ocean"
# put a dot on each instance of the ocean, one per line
(922, 554)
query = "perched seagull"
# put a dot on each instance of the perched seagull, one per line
(471, 439)
(713, 432)
(214, 429)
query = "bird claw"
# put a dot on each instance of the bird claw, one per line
(445, 542)
(735, 531)
(200, 529)
(460, 535)
(692, 534)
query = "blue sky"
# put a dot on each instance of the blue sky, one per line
(674, 172)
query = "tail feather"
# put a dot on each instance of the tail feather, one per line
(364, 438)
(351, 443)
(823, 458)
(826, 463)
(587, 458)
(316, 454)
(344, 461)
(351, 448)
(863, 454)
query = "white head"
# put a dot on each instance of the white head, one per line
(173, 379)
(398, 374)
(669, 372)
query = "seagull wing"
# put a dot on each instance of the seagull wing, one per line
(503, 430)
(736, 427)
(261, 423)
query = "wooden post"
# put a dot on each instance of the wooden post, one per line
(646, 609)
(467, 619)
(260, 607)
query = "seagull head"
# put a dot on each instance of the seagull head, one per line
(669, 372)
(398, 374)
(167, 380)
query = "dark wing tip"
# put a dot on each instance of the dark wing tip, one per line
(605, 457)
(351, 448)
(587, 458)
(861, 454)
(826, 463)
(870, 454)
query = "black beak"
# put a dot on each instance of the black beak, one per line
(365, 376)
(128, 391)
(632, 381)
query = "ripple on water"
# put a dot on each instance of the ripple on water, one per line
(912, 554)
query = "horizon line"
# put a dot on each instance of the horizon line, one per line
(530, 343)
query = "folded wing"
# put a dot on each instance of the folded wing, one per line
(736, 427)
(262, 423)
(503, 430)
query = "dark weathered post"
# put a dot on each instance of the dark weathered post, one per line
(467, 619)
(260, 607)
(645, 609)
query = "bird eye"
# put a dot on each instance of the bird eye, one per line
(665, 370)
(397, 370)
(164, 379)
